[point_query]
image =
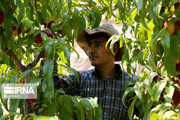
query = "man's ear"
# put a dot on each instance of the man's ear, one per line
(115, 48)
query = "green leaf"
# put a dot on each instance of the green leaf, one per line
(178, 55)
(45, 118)
(26, 25)
(149, 32)
(25, 73)
(1, 110)
(82, 23)
(49, 47)
(158, 88)
(161, 108)
(127, 91)
(175, 47)
(142, 34)
(74, 71)
(79, 108)
(21, 9)
(93, 102)
(52, 108)
(67, 108)
(169, 92)
(66, 18)
(68, 103)
(44, 13)
(48, 78)
(121, 9)
(89, 115)
(152, 63)
(86, 103)
(69, 4)
(48, 67)
(67, 54)
(28, 71)
(131, 108)
(149, 81)
(154, 39)
(14, 78)
(147, 106)
(98, 113)
(35, 80)
(62, 56)
(59, 7)
(29, 12)
(170, 64)
(1, 37)
(113, 40)
(14, 103)
(139, 90)
(154, 116)
(153, 11)
(132, 14)
(60, 99)
(8, 17)
(5, 103)
(170, 113)
(98, 17)
(165, 41)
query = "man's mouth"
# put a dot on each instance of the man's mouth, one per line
(93, 57)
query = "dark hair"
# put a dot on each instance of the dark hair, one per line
(96, 35)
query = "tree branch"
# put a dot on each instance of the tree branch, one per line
(11, 54)
(34, 62)
(21, 67)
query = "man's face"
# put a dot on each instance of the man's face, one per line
(98, 54)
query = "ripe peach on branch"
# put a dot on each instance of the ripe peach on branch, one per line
(32, 100)
(15, 30)
(49, 23)
(39, 38)
(60, 30)
(176, 97)
(177, 5)
(170, 26)
(1, 17)
(177, 66)
(177, 25)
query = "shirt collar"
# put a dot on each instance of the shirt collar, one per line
(118, 73)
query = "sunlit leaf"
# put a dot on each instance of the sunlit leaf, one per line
(165, 41)
(13, 105)
(158, 88)
(131, 108)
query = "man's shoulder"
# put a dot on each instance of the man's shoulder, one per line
(87, 72)
(127, 77)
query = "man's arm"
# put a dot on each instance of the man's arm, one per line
(69, 83)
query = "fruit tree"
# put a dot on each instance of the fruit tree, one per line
(35, 34)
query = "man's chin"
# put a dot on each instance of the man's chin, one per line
(93, 63)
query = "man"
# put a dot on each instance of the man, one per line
(107, 79)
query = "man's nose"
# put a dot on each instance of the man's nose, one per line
(91, 49)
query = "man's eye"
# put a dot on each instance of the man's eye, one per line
(97, 44)
(89, 45)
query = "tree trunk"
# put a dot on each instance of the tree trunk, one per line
(27, 104)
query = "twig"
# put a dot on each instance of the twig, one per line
(11, 54)
(34, 62)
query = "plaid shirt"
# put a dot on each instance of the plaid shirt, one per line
(109, 91)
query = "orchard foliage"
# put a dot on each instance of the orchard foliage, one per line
(35, 34)
(32, 30)
(154, 44)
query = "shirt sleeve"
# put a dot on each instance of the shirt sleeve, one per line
(68, 83)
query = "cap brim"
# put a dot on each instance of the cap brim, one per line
(91, 32)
